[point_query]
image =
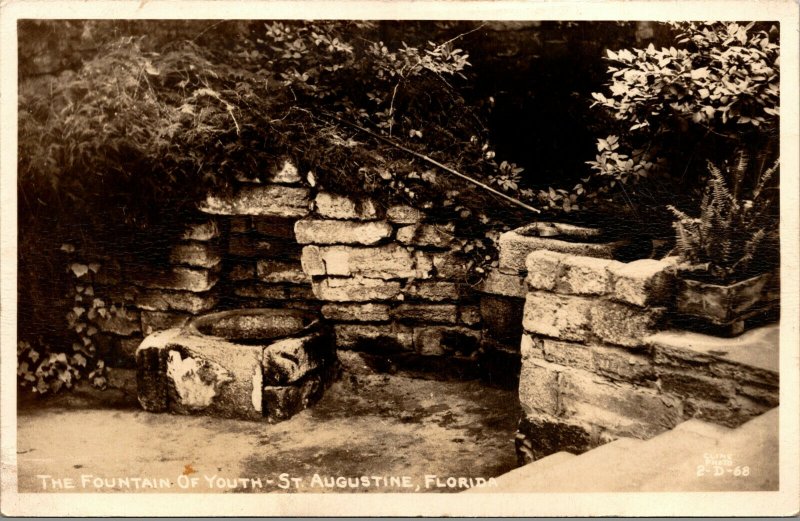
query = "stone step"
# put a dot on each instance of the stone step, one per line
(508, 480)
(686, 458)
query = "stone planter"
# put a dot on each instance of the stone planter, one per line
(248, 364)
(726, 308)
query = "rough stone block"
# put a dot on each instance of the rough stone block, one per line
(301, 292)
(390, 261)
(423, 264)
(242, 271)
(643, 282)
(155, 300)
(341, 232)
(377, 338)
(241, 224)
(621, 364)
(197, 254)
(499, 283)
(501, 318)
(738, 411)
(440, 340)
(121, 321)
(622, 324)
(444, 313)
(358, 289)
(200, 375)
(277, 227)
(275, 200)
(177, 278)
(584, 276)
(618, 407)
(539, 387)
(247, 246)
(558, 316)
(334, 206)
(469, 315)
(274, 271)
(698, 386)
(284, 172)
(568, 354)
(262, 291)
(204, 231)
(288, 360)
(435, 291)
(153, 321)
(531, 347)
(404, 214)
(283, 402)
(516, 245)
(544, 269)
(357, 312)
(432, 235)
(540, 435)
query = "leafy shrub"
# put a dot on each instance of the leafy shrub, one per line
(736, 234)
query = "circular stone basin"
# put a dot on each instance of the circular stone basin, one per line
(254, 326)
(562, 231)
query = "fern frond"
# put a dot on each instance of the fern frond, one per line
(764, 178)
(739, 171)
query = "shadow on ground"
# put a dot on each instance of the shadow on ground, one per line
(386, 433)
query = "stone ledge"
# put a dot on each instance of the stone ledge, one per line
(274, 200)
(330, 231)
(643, 282)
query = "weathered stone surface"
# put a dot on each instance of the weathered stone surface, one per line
(621, 364)
(177, 278)
(153, 321)
(258, 324)
(155, 300)
(515, 247)
(469, 315)
(692, 385)
(341, 232)
(643, 282)
(334, 206)
(567, 354)
(243, 224)
(544, 269)
(541, 435)
(197, 254)
(558, 316)
(276, 200)
(450, 266)
(357, 289)
(288, 360)
(204, 231)
(435, 290)
(284, 172)
(624, 325)
(121, 321)
(377, 338)
(247, 246)
(732, 414)
(499, 283)
(301, 291)
(440, 340)
(390, 261)
(262, 291)
(423, 264)
(277, 227)
(531, 347)
(403, 214)
(242, 271)
(584, 276)
(274, 271)
(618, 407)
(126, 351)
(371, 312)
(283, 402)
(539, 387)
(200, 375)
(445, 313)
(433, 235)
(501, 318)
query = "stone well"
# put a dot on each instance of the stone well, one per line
(248, 363)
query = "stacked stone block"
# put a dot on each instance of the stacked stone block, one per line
(391, 281)
(590, 371)
(262, 258)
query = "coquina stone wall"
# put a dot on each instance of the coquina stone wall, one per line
(392, 284)
(595, 366)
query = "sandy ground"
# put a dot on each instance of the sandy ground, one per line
(387, 433)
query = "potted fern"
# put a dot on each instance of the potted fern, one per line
(730, 252)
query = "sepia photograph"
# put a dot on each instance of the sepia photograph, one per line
(313, 259)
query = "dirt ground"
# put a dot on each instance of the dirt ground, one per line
(370, 433)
